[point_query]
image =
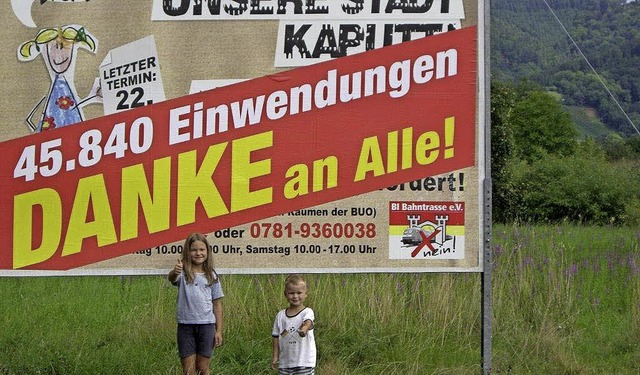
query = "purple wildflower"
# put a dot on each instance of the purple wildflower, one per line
(572, 270)
(633, 267)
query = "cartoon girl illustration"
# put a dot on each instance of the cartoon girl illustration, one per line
(58, 46)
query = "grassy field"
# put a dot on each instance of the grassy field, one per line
(565, 301)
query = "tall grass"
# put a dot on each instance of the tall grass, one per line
(565, 301)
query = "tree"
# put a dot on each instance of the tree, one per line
(526, 124)
(503, 98)
(541, 126)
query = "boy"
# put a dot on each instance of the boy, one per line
(294, 346)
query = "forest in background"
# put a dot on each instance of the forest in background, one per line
(529, 44)
(562, 151)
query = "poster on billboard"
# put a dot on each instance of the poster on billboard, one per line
(317, 136)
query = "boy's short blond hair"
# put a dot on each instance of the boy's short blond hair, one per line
(294, 279)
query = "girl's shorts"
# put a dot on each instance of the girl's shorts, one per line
(196, 339)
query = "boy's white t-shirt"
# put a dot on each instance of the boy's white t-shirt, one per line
(295, 351)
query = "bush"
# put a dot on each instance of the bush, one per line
(578, 189)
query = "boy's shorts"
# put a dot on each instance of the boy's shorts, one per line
(196, 339)
(297, 371)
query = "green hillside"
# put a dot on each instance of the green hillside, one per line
(599, 76)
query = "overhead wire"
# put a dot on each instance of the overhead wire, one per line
(592, 68)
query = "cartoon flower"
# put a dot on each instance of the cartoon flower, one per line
(48, 123)
(64, 102)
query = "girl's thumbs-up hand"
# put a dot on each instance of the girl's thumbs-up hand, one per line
(178, 266)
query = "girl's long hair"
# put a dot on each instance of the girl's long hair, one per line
(209, 271)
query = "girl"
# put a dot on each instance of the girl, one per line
(199, 311)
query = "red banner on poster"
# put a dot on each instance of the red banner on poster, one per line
(116, 184)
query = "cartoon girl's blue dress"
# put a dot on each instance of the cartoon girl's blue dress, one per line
(62, 106)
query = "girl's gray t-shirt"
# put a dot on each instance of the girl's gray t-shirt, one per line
(195, 304)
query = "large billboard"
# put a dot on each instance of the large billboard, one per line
(306, 136)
